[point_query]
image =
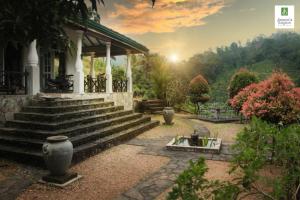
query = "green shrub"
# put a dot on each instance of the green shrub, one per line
(267, 145)
(192, 185)
(240, 80)
(199, 90)
(258, 147)
(177, 91)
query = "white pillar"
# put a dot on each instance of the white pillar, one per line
(79, 76)
(92, 69)
(129, 73)
(108, 69)
(32, 67)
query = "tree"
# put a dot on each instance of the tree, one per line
(160, 75)
(275, 100)
(199, 91)
(177, 90)
(23, 21)
(240, 80)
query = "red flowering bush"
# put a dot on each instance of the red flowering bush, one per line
(238, 100)
(275, 100)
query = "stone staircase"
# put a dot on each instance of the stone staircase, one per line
(91, 125)
(154, 106)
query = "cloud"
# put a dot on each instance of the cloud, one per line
(138, 17)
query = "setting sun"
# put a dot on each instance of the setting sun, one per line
(173, 58)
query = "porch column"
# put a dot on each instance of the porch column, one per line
(92, 69)
(129, 73)
(108, 70)
(79, 76)
(32, 66)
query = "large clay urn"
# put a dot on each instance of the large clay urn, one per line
(58, 152)
(168, 113)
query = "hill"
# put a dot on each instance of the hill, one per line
(262, 55)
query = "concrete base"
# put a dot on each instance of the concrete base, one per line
(60, 181)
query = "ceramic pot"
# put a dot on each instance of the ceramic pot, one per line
(168, 113)
(58, 152)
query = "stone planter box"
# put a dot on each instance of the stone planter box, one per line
(213, 145)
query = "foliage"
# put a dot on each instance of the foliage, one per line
(141, 78)
(177, 90)
(274, 100)
(160, 75)
(44, 20)
(190, 181)
(261, 55)
(192, 185)
(118, 73)
(199, 90)
(238, 101)
(39, 22)
(254, 150)
(240, 80)
(254, 153)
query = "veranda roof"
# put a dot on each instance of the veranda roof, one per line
(96, 35)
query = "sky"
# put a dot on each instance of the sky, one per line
(183, 28)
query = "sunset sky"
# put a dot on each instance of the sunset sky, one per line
(187, 27)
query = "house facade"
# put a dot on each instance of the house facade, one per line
(28, 71)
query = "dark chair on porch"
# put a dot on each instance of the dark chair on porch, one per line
(63, 83)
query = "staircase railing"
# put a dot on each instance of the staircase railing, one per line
(119, 85)
(94, 85)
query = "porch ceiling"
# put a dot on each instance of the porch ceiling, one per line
(93, 44)
(96, 35)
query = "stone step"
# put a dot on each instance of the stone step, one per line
(47, 130)
(63, 109)
(34, 157)
(22, 155)
(31, 143)
(64, 101)
(83, 151)
(51, 118)
(156, 108)
(83, 120)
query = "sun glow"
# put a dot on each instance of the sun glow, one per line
(173, 58)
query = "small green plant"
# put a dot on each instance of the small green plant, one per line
(191, 185)
(204, 141)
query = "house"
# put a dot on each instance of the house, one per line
(26, 71)
(95, 111)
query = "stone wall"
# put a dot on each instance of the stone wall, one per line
(120, 98)
(10, 104)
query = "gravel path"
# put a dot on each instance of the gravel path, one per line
(139, 169)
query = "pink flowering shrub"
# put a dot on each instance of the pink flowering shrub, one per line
(275, 100)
